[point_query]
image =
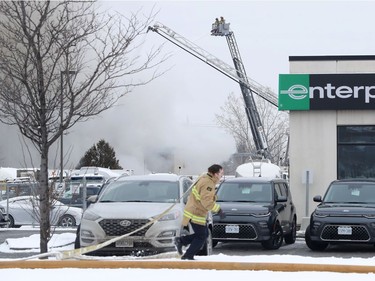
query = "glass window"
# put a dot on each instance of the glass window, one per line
(281, 189)
(244, 192)
(356, 134)
(278, 191)
(186, 185)
(355, 152)
(141, 191)
(350, 192)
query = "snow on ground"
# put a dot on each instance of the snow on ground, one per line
(65, 241)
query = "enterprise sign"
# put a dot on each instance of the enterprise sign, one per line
(326, 91)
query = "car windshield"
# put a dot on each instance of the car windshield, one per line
(244, 192)
(350, 193)
(141, 191)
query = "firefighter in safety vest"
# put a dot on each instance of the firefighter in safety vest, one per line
(202, 199)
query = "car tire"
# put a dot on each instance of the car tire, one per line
(11, 222)
(276, 239)
(290, 238)
(207, 247)
(313, 245)
(67, 221)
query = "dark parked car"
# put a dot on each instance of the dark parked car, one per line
(257, 210)
(76, 200)
(346, 214)
(73, 194)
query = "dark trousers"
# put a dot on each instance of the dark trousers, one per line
(195, 240)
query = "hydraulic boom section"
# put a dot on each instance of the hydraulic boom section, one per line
(248, 86)
(222, 29)
(213, 61)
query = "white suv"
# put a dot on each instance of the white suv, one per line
(127, 204)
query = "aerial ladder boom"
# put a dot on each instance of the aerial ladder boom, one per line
(260, 140)
(214, 62)
(248, 86)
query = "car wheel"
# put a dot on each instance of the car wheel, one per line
(290, 238)
(276, 239)
(11, 222)
(67, 221)
(313, 245)
(207, 247)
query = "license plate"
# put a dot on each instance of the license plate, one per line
(124, 244)
(344, 230)
(232, 229)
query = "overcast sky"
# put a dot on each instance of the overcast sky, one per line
(177, 111)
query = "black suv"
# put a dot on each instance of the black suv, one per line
(257, 210)
(346, 214)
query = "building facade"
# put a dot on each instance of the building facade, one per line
(331, 104)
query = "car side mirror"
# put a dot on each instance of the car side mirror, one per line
(317, 198)
(92, 199)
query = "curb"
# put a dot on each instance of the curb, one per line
(286, 267)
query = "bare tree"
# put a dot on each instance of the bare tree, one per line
(62, 62)
(275, 123)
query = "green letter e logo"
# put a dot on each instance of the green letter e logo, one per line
(294, 92)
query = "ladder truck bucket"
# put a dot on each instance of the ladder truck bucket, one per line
(220, 29)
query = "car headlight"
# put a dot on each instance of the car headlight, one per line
(170, 216)
(261, 215)
(2, 209)
(369, 216)
(320, 215)
(90, 216)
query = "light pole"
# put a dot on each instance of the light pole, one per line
(62, 73)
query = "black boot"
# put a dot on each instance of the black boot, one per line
(187, 258)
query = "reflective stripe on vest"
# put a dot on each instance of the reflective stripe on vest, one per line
(194, 218)
(197, 197)
(194, 191)
(216, 208)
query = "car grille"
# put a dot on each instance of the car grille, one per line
(359, 233)
(136, 245)
(112, 227)
(246, 232)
